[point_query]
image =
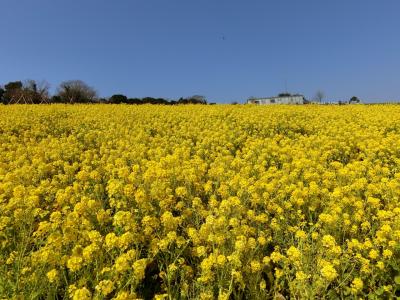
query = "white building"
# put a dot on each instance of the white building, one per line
(287, 99)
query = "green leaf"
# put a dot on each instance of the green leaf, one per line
(380, 291)
(347, 291)
(372, 297)
(397, 279)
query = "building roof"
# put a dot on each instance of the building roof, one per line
(274, 97)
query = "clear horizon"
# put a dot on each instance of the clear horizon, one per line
(225, 50)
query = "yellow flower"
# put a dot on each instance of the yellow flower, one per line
(293, 253)
(255, 266)
(201, 251)
(276, 256)
(161, 297)
(301, 276)
(199, 195)
(181, 191)
(82, 294)
(240, 245)
(373, 254)
(122, 263)
(123, 295)
(88, 252)
(328, 241)
(111, 240)
(105, 287)
(266, 260)
(52, 275)
(263, 284)
(139, 268)
(328, 272)
(357, 285)
(300, 234)
(387, 253)
(380, 265)
(221, 259)
(278, 273)
(75, 263)
(314, 235)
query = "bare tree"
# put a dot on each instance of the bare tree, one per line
(319, 96)
(76, 91)
(198, 99)
(36, 92)
(43, 91)
(195, 99)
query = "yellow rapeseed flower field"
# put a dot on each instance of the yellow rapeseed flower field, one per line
(199, 202)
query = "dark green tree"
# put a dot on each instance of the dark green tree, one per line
(12, 91)
(56, 99)
(118, 98)
(354, 99)
(1, 94)
(135, 101)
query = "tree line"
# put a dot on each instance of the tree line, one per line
(75, 91)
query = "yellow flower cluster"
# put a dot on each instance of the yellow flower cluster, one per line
(199, 202)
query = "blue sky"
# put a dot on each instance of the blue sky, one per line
(226, 50)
